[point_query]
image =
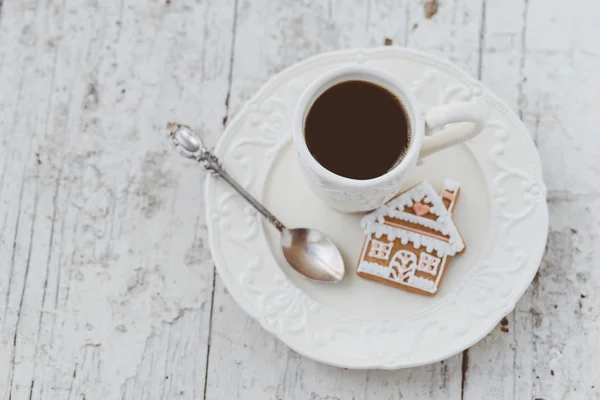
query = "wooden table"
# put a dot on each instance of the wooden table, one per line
(107, 289)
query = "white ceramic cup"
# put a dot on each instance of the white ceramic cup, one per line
(440, 127)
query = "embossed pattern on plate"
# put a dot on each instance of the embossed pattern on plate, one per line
(485, 287)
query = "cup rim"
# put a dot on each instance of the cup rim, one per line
(377, 77)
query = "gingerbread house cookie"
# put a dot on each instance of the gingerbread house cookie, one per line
(410, 240)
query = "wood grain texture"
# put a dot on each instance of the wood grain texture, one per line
(106, 284)
(107, 289)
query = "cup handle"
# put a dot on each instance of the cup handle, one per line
(465, 121)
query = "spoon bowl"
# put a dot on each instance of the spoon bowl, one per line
(312, 254)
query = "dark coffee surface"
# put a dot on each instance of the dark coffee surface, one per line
(357, 130)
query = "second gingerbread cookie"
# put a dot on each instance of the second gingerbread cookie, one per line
(410, 240)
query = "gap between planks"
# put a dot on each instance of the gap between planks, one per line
(214, 277)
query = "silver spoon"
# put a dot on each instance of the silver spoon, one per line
(308, 251)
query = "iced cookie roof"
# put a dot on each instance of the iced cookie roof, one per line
(375, 222)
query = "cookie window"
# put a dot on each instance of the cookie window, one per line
(404, 260)
(428, 263)
(380, 250)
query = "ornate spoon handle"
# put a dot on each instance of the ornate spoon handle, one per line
(189, 145)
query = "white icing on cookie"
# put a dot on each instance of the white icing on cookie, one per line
(422, 283)
(441, 247)
(374, 223)
(451, 186)
(385, 272)
(374, 269)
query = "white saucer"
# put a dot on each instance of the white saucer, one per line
(501, 214)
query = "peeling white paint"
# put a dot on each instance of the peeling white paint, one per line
(106, 287)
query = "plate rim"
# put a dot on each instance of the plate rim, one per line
(536, 255)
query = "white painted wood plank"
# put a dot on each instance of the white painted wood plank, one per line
(102, 261)
(529, 60)
(172, 366)
(452, 33)
(23, 92)
(564, 301)
(503, 49)
(559, 94)
(558, 98)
